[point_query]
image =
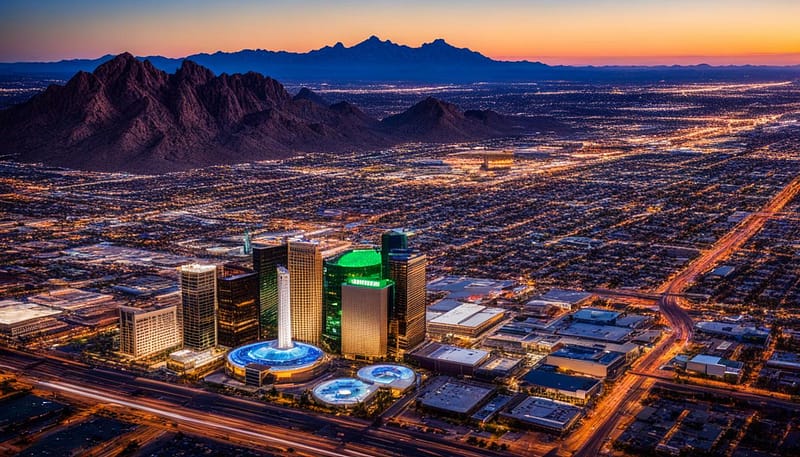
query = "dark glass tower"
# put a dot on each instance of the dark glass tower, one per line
(361, 263)
(237, 310)
(266, 260)
(393, 239)
(407, 316)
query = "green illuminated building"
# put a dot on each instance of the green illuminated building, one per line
(364, 264)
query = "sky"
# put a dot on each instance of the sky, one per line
(573, 32)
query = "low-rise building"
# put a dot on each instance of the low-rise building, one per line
(546, 382)
(466, 320)
(544, 413)
(18, 319)
(739, 332)
(586, 360)
(446, 359)
(715, 366)
(455, 398)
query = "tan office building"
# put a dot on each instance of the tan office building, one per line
(365, 317)
(305, 271)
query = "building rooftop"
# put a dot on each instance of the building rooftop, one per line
(546, 413)
(610, 333)
(70, 299)
(388, 375)
(501, 364)
(463, 288)
(595, 315)
(554, 380)
(459, 355)
(369, 282)
(14, 312)
(343, 392)
(358, 259)
(456, 397)
(588, 354)
(467, 315)
(572, 297)
(197, 268)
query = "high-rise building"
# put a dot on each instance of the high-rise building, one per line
(237, 310)
(147, 331)
(365, 317)
(359, 263)
(198, 285)
(284, 309)
(407, 316)
(393, 239)
(305, 270)
(266, 259)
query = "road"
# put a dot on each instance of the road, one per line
(218, 415)
(588, 440)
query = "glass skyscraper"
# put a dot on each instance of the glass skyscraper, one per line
(266, 260)
(360, 263)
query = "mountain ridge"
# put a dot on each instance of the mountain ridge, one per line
(374, 60)
(128, 115)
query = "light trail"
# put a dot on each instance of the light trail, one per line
(192, 420)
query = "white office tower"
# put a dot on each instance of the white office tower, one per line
(284, 310)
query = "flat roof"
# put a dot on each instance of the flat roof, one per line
(466, 288)
(467, 315)
(456, 397)
(369, 283)
(568, 296)
(554, 380)
(610, 333)
(546, 412)
(358, 258)
(588, 354)
(706, 359)
(15, 312)
(197, 268)
(70, 299)
(595, 314)
(501, 364)
(459, 355)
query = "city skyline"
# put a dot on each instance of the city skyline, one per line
(576, 32)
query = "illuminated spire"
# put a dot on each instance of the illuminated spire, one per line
(284, 310)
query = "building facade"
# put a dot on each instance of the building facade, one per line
(198, 311)
(305, 270)
(407, 316)
(360, 263)
(237, 311)
(393, 239)
(365, 317)
(266, 259)
(146, 332)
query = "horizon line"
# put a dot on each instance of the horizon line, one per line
(722, 60)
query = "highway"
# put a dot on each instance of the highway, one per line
(631, 388)
(220, 416)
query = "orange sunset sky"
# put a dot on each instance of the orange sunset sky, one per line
(555, 32)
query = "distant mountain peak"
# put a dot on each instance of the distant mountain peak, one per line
(438, 42)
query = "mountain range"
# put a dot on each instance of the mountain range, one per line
(376, 60)
(128, 115)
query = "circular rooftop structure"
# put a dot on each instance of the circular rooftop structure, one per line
(301, 362)
(343, 392)
(388, 376)
(359, 258)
